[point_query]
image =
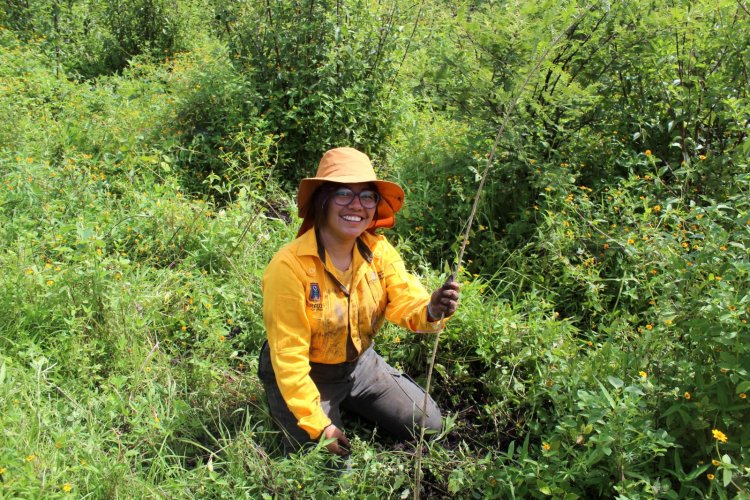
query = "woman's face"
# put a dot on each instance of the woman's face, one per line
(348, 221)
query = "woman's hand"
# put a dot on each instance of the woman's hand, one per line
(341, 444)
(444, 301)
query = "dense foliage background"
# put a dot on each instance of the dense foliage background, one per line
(149, 153)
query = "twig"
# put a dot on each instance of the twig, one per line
(457, 265)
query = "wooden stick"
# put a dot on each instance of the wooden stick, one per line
(457, 265)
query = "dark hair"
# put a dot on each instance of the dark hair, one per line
(322, 197)
(319, 203)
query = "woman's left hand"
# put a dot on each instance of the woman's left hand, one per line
(444, 301)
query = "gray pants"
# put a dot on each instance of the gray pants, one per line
(369, 387)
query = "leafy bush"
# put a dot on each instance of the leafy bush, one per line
(600, 348)
(325, 82)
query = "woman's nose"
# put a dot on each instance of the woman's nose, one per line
(356, 202)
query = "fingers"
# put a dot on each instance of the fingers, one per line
(341, 444)
(344, 445)
(445, 299)
(336, 449)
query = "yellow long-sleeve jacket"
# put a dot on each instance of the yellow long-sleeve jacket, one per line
(311, 317)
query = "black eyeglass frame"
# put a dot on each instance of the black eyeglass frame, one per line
(352, 194)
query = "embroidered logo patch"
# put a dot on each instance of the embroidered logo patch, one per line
(314, 292)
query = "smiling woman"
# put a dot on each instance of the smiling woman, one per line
(325, 296)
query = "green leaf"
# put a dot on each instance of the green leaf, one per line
(611, 401)
(697, 472)
(727, 477)
(616, 382)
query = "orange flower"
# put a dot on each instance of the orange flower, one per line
(648, 152)
(687, 395)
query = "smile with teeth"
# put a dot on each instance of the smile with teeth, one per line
(352, 218)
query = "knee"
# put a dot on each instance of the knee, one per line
(433, 422)
(412, 422)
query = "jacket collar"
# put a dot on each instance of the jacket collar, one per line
(311, 244)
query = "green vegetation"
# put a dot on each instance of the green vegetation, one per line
(149, 152)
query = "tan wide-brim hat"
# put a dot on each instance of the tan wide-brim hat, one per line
(349, 166)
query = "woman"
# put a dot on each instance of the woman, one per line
(325, 296)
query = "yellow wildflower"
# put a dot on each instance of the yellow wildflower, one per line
(743, 395)
(710, 477)
(668, 322)
(648, 152)
(67, 487)
(719, 436)
(649, 326)
(643, 374)
(687, 395)
(30, 458)
(2, 470)
(546, 446)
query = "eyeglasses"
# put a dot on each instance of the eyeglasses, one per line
(368, 198)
